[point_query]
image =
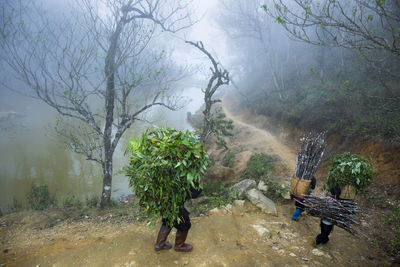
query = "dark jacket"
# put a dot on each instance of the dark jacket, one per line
(194, 193)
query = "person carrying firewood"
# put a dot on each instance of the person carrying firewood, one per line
(298, 201)
(327, 226)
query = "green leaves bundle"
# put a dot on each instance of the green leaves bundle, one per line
(350, 169)
(163, 166)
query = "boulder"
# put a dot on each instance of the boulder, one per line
(265, 204)
(243, 186)
(261, 230)
(200, 200)
(262, 186)
(238, 203)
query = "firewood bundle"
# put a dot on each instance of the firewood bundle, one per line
(342, 213)
(310, 155)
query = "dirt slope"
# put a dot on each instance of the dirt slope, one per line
(232, 236)
(260, 139)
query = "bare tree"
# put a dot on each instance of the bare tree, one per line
(96, 58)
(359, 24)
(219, 77)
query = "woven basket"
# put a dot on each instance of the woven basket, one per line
(348, 192)
(299, 187)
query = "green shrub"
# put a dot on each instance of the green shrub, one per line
(92, 201)
(349, 169)
(275, 191)
(229, 158)
(393, 219)
(218, 194)
(72, 201)
(258, 166)
(39, 197)
(163, 165)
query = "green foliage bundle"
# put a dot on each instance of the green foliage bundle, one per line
(350, 169)
(39, 197)
(258, 166)
(163, 165)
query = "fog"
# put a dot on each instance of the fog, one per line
(302, 73)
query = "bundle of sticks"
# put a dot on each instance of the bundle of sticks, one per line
(339, 212)
(310, 155)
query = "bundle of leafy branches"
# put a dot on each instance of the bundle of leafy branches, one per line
(310, 155)
(349, 169)
(339, 212)
(163, 166)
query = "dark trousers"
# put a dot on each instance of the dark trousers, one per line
(325, 231)
(184, 224)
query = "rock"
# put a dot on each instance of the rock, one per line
(279, 250)
(200, 200)
(292, 254)
(243, 186)
(228, 208)
(260, 229)
(214, 211)
(238, 203)
(318, 252)
(262, 186)
(261, 201)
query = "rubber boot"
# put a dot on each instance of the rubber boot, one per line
(296, 214)
(161, 243)
(323, 237)
(180, 244)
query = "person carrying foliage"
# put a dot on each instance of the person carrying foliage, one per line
(182, 228)
(298, 201)
(164, 170)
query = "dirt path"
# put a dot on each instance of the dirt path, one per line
(238, 236)
(263, 138)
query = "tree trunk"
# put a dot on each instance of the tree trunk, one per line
(109, 70)
(107, 180)
(206, 119)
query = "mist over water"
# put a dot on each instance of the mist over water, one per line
(31, 154)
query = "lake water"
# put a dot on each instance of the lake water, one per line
(30, 154)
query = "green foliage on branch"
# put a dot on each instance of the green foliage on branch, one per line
(350, 169)
(221, 127)
(163, 165)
